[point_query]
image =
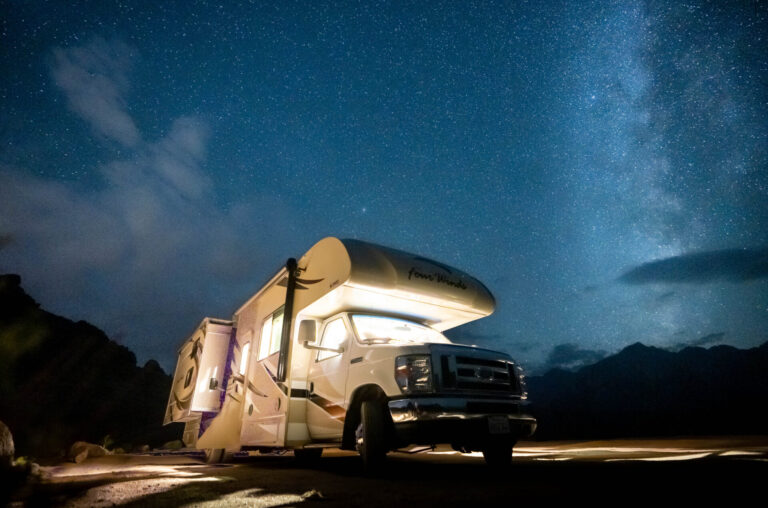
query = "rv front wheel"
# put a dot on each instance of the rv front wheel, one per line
(498, 453)
(370, 435)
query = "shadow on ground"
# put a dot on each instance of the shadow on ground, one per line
(426, 480)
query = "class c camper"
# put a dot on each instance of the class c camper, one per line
(344, 348)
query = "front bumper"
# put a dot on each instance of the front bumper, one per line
(458, 420)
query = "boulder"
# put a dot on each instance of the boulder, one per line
(6, 446)
(82, 450)
(34, 470)
(141, 449)
(173, 445)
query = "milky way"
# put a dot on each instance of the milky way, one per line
(159, 163)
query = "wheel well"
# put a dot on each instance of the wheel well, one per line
(352, 420)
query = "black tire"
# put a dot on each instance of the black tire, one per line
(498, 454)
(216, 455)
(371, 435)
(307, 455)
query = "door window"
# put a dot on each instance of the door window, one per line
(334, 336)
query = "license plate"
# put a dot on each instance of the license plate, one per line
(498, 425)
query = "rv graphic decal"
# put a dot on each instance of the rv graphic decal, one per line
(329, 407)
(436, 277)
(300, 283)
(274, 378)
(256, 391)
(439, 265)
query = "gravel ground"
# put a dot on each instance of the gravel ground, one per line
(681, 470)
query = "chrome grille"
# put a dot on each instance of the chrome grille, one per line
(478, 374)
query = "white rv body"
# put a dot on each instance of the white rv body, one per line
(284, 392)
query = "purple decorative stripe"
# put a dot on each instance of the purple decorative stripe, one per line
(228, 364)
(205, 421)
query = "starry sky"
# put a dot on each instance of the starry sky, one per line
(601, 166)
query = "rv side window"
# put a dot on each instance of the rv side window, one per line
(244, 358)
(188, 378)
(334, 335)
(271, 332)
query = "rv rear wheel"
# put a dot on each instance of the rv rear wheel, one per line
(370, 435)
(215, 455)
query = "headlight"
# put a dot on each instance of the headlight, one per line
(413, 373)
(521, 380)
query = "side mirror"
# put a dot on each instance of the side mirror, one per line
(340, 349)
(307, 331)
(308, 335)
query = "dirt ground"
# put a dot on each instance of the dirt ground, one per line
(600, 472)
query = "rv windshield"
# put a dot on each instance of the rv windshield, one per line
(386, 330)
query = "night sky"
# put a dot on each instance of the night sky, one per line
(601, 166)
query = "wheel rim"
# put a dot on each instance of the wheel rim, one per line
(359, 438)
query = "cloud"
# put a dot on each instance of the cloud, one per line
(733, 265)
(571, 356)
(177, 156)
(147, 253)
(94, 78)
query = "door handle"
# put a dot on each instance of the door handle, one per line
(311, 387)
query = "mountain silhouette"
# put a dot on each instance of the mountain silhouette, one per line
(647, 391)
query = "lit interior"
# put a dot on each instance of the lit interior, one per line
(383, 329)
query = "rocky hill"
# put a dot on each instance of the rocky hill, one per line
(62, 381)
(646, 391)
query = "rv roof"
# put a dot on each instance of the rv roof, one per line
(378, 268)
(394, 275)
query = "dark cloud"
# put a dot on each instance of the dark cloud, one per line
(734, 265)
(571, 356)
(706, 340)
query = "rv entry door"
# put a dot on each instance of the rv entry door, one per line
(328, 380)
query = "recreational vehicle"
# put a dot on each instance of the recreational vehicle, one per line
(344, 348)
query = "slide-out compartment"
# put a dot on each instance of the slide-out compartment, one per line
(199, 380)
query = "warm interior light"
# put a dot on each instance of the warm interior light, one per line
(386, 329)
(244, 358)
(266, 333)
